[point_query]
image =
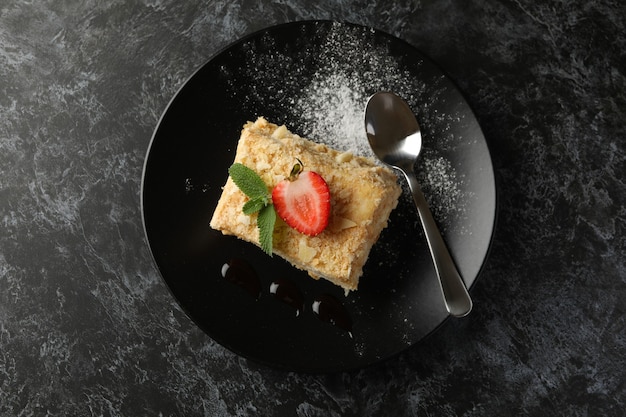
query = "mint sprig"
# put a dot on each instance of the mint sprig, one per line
(259, 201)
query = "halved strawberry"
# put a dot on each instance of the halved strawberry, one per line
(303, 201)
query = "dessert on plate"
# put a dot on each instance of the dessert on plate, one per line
(352, 202)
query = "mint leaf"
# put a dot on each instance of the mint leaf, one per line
(265, 222)
(248, 181)
(255, 204)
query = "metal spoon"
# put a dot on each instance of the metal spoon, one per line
(395, 138)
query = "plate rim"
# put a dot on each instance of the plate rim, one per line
(242, 40)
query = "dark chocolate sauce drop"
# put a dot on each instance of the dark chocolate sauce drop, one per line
(241, 273)
(329, 309)
(287, 292)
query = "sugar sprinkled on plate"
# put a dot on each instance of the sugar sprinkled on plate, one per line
(331, 111)
(321, 94)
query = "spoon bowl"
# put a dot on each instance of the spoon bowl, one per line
(395, 138)
(392, 130)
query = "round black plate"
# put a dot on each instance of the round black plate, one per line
(315, 77)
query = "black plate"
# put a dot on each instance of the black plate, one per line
(315, 77)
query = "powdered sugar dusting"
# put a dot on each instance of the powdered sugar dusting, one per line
(441, 186)
(331, 108)
(350, 68)
(320, 90)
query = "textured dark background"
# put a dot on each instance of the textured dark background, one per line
(87, 327)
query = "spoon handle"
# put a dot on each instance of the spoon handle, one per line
(455, 295)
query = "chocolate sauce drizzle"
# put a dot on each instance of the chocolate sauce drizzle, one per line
(287, 292)
(326, 307)
(242, 274)
(330, 310)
